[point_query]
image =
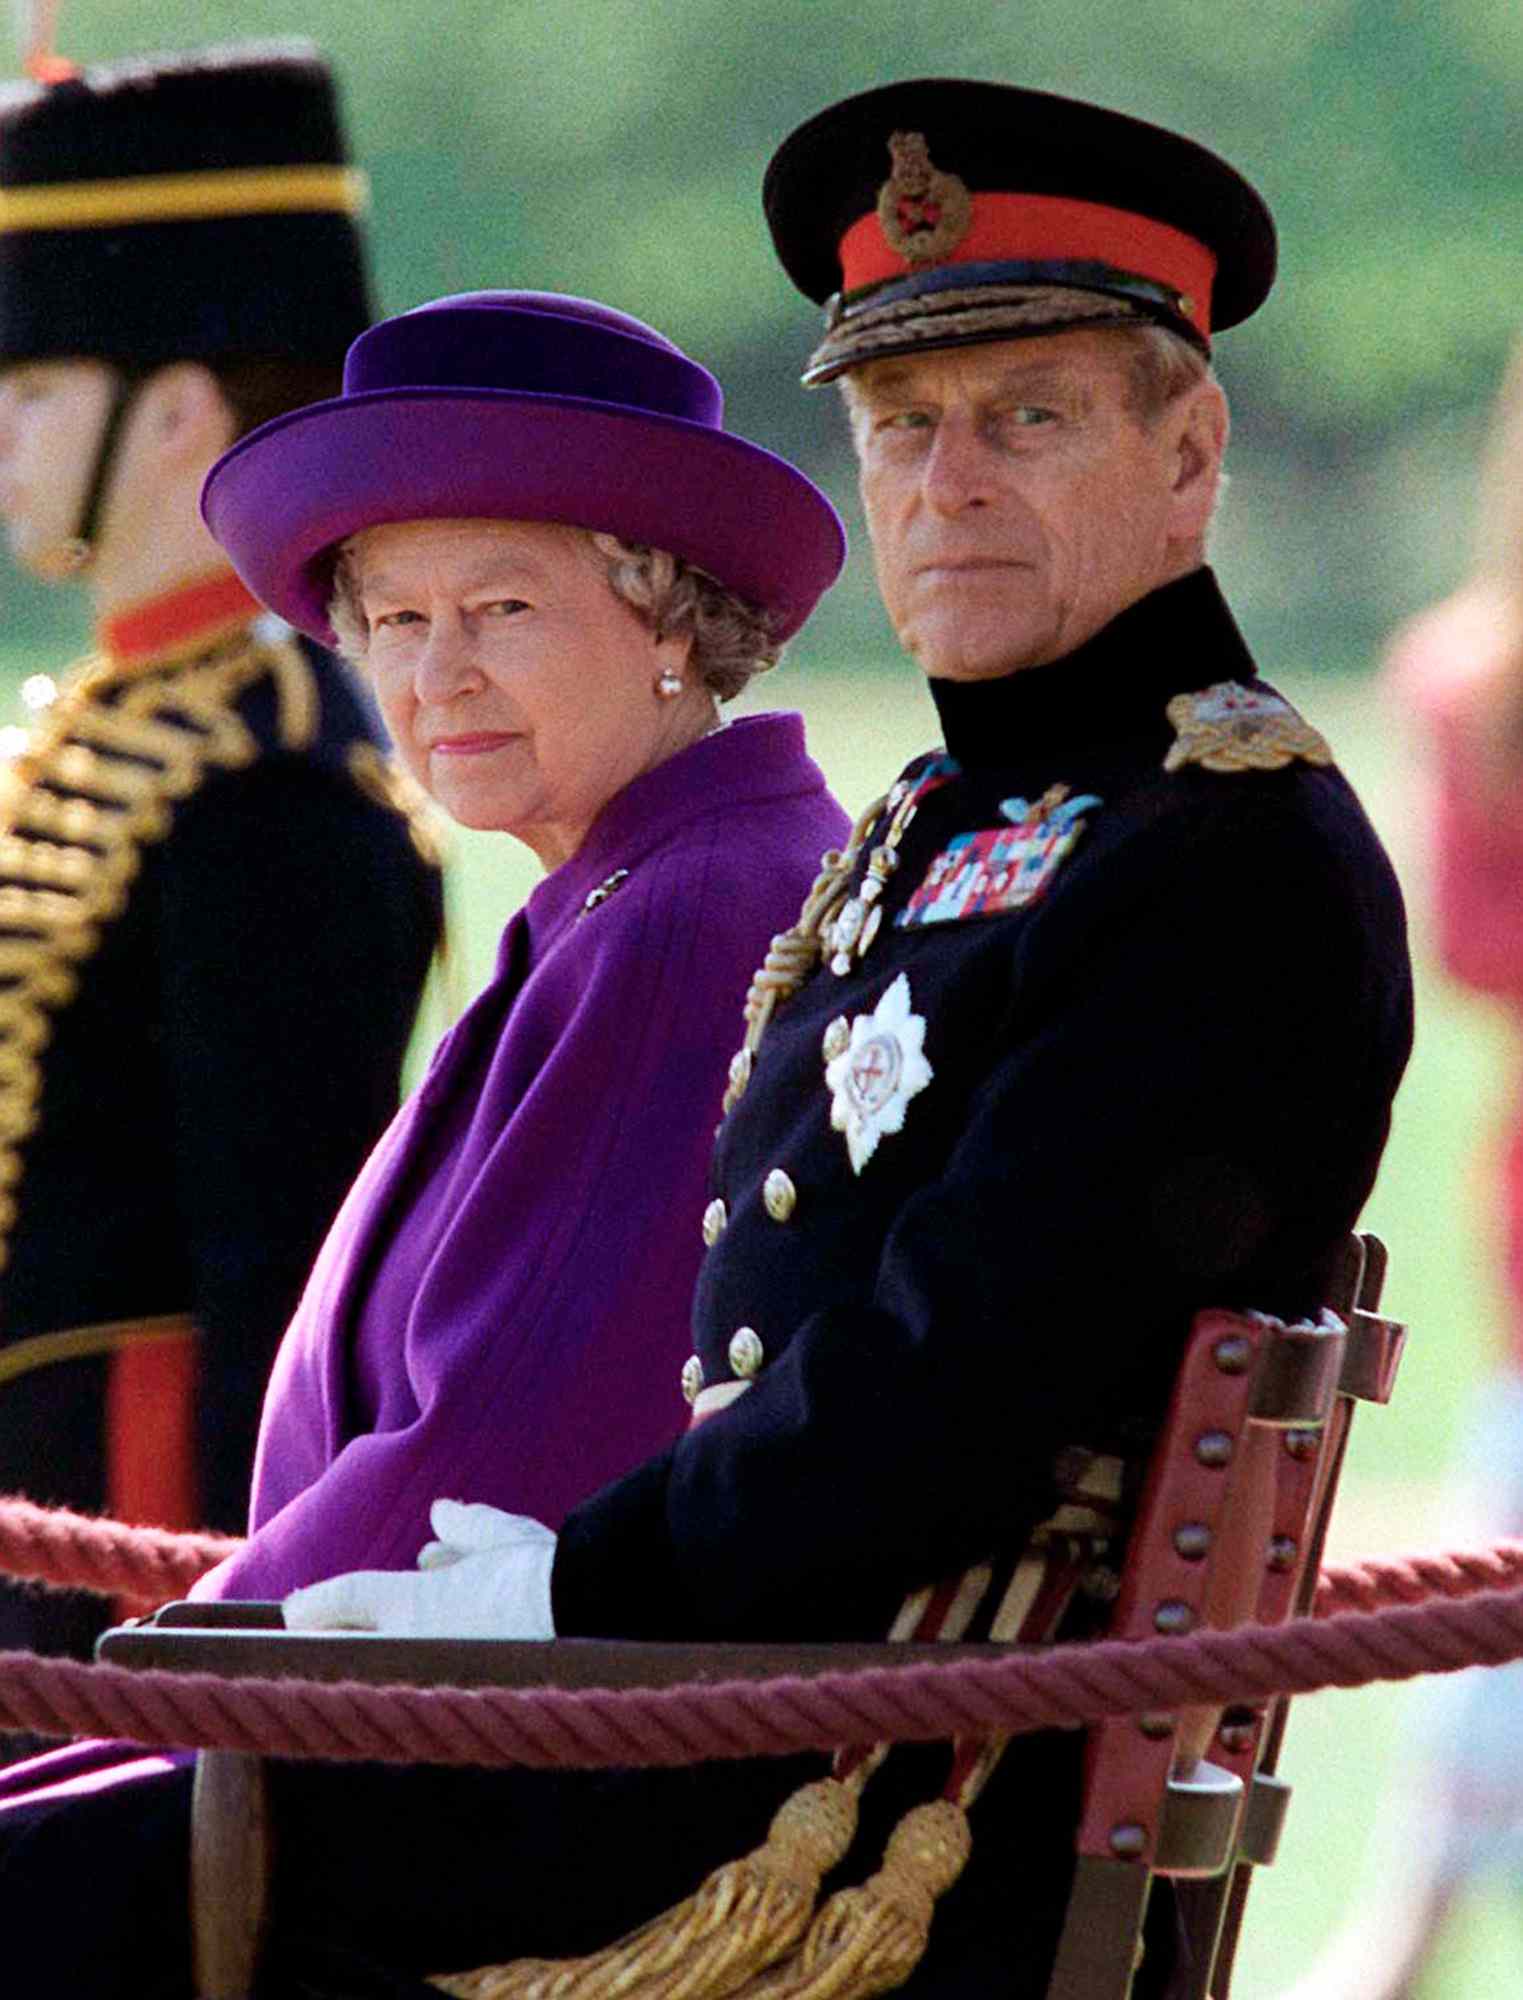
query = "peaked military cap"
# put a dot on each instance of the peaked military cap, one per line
(940, 212)
(189, 207)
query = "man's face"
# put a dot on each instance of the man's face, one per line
(1015, 501)
(51, 417)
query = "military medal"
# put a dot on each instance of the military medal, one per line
(1002, 868)
(851, 936)
(1234, 728)
(874, 1077)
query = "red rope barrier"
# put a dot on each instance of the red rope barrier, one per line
(1375, 1582)
(65, 1551)
(549, 1728)
(1380, 1619)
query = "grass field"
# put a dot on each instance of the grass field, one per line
(1431, 1205)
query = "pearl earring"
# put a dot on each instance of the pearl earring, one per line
(669, 683)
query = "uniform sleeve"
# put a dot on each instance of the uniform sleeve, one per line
(1166, 1109)
(541, 1355)
(295, 928)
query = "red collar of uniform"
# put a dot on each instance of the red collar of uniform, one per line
(178, 622)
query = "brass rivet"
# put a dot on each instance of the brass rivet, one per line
(692, 1377)
(746, 1352)
(1282, 1553)
(1214, 1448)
(1129, 1842)
(715, 1216)
(1186, 304)
(1173, 1618)
(1192, 1540)
(1156, 1726)
(1236, 1734)
(1303, 1444)
(779, 1195)
(1233, 1355)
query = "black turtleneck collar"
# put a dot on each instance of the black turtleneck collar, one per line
(1174, 641)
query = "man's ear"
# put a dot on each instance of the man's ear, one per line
(183, 418)
(1199, 424)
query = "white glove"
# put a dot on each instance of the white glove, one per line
(487, 1576)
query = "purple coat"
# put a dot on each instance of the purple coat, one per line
(501, 1309)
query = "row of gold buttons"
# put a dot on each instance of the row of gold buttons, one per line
(746, 1357)
(779, 1197)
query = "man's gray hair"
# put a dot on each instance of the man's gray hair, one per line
(732, 640)
(1161, 366)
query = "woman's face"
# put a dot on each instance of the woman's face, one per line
(518, 689)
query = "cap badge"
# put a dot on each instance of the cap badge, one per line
(873, 1079)
(924, 213)
(1234, 728)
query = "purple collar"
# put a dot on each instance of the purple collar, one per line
(753, 759)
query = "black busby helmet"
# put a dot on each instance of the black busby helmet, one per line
(940, 212)
(189, 207)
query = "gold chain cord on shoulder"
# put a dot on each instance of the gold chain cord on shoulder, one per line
(97, 782)
(794, 953)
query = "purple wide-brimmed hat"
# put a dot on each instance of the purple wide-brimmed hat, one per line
(520, 406)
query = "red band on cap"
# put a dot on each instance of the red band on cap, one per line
(1038, 228)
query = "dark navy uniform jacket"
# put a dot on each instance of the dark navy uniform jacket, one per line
(1164, 1082)
(215, 922)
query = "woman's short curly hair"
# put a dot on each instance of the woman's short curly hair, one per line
(732, 640)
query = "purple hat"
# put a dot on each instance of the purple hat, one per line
(520, 406)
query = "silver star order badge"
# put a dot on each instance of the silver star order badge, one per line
(874, 1077)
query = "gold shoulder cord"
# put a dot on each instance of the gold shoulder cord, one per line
(794, 953)
(99, 781)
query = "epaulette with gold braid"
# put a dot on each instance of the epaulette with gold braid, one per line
(1231, 727)
(97, 781)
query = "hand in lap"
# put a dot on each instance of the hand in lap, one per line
(486, 1576)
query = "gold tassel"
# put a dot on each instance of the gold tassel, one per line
(750, 1914)
(869, 1940)
(743, 1918)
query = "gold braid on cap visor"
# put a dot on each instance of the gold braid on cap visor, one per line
(948, 317)
(223, 191)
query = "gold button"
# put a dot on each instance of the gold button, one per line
(692, 1377)
(746, 1351)
(715, 1216)
(837, 1038)
(780, 1195)
(740, 1071)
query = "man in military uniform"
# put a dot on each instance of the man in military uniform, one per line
(215, 917)
(1097, 1023)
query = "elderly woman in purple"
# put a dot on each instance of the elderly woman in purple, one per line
(525, 525)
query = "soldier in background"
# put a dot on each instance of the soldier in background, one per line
(216, 908)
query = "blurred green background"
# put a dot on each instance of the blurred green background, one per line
(615, 147)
